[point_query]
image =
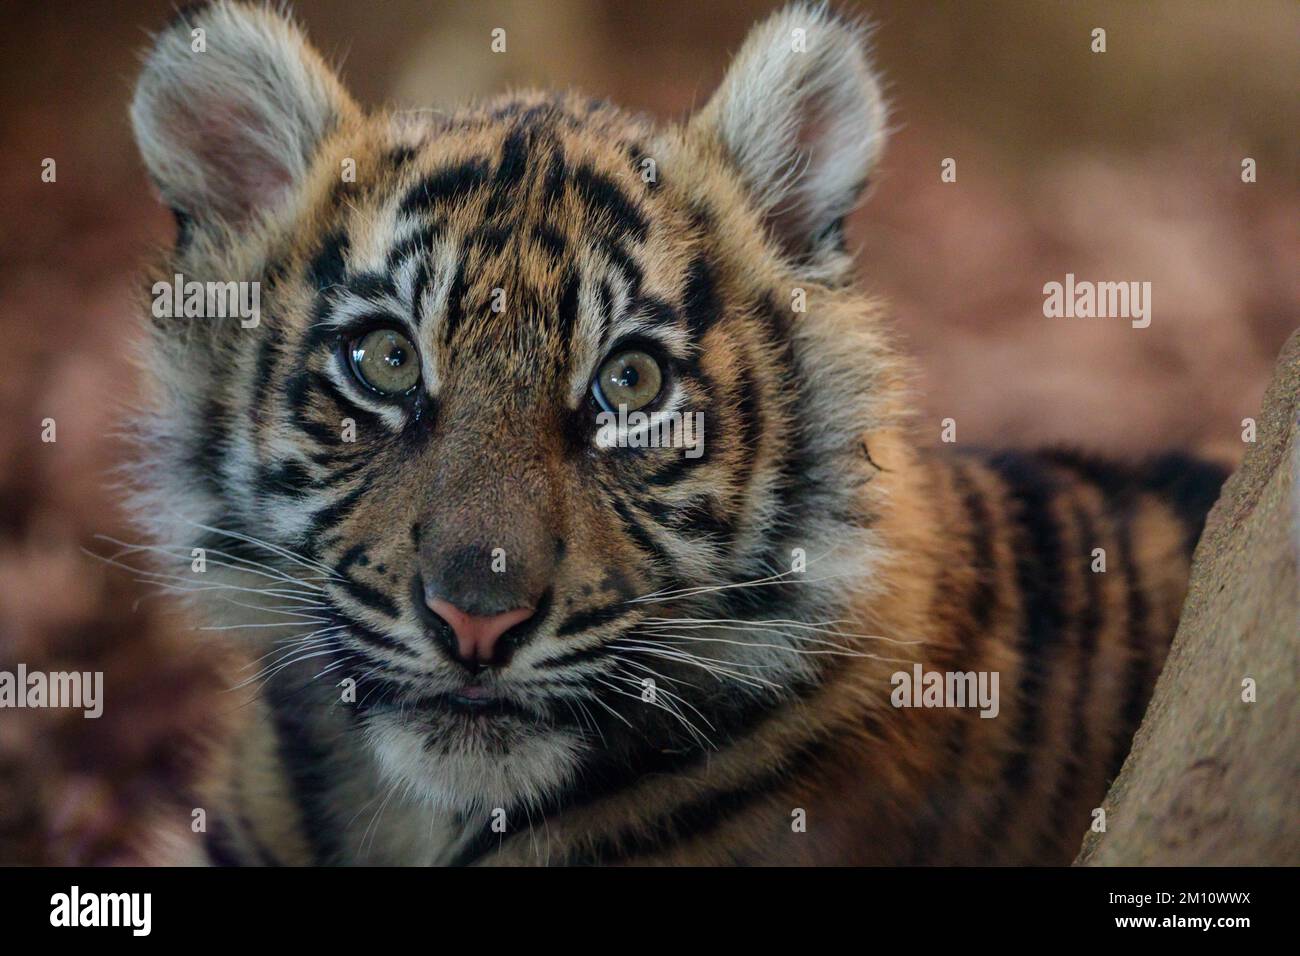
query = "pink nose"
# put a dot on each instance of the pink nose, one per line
(476, 636)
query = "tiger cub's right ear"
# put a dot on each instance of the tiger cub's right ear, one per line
(230, 109)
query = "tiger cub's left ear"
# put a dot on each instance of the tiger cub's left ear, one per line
(801, 118)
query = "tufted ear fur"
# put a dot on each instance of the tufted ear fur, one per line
(801, 116)
(230, 109)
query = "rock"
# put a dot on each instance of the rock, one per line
(1213, 779)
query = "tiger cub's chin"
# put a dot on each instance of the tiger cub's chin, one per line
(475, 766)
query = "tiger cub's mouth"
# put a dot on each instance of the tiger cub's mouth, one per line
(476, 702)
(472, 701)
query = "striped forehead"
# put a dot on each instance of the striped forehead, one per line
(524, 240)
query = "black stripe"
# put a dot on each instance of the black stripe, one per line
(656, 312)
(606, 297)
(401, 155)
(420, 241)
(637, 154)
(639, 535)
(184, 234)
(972, 629)
(317, 432)
(750, 411)
(296, 392)
(734, 714)
(490, 237)
(341, 468)
(372, 598)
(287, 479)
(1121, 488)
(418, 285)
(604, 196)
(567, 310)
(556, 177)
(984, 594)
(321, 331)
(263, 855)
(700, 299)
(267, 351)
(355, 555)
(552, 243)
(372, 285)
(361, 660)
(218, 846)
(595, 617)
(332, 514)
(695, 518)
(206, 455)
(1190, 487)
(799, 492)
(1040, 581)
(328, 267)
(514, 159)
(455, 303)
(443, 185)
(612, 774)
(1088, 625)
(1139, 679)
(228, 521)
(371, 636)
(368, 423)
(622, 260)
(301, 387)
(305, 761)
(698, 818)
(580, 656)
(673, 471)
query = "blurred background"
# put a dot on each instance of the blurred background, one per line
(1117, 166)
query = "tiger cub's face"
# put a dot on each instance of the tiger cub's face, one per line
(529, 396)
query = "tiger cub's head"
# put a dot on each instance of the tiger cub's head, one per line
(522, 409)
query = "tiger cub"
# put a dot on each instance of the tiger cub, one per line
(564, 486)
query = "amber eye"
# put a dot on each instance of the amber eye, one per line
(631, 379)
(385, 361)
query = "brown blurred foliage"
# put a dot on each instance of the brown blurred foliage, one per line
(1119, 166)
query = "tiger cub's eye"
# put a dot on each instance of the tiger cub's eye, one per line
(632, 379)
(385, 361)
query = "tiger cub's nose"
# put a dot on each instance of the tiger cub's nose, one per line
(476, 635)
